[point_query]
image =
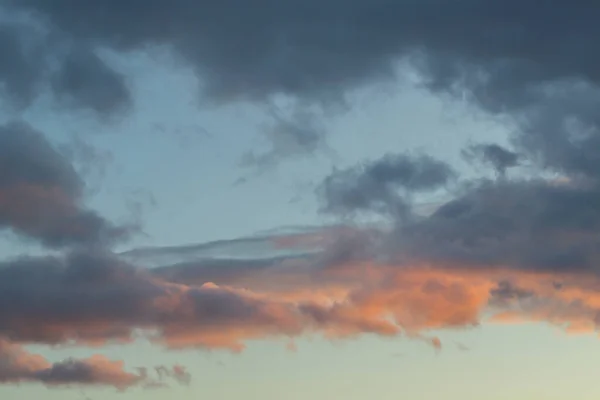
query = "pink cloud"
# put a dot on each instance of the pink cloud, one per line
(17, 365)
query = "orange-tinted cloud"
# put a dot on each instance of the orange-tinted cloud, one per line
(94, 298)
(18, 365)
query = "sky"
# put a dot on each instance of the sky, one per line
(298, 199)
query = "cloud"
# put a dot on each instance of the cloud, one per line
(270, 50)
(89, 299)
(41, 193)
(17, 365)
(417, 266)
(383, 186)
(177, 372)
(300, 133)
(280, 54)
(259, 249)
(39, 59)
(521, 224)
(85, 80)
(507, 250)
(495, 155)
(20, 67)
(28, 157)
(93, 298)
(535, 66)
(310, 48)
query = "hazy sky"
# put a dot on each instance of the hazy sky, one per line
(299, 199)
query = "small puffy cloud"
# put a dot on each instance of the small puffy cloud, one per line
(17, 365)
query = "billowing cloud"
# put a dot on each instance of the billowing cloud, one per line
(41, 193)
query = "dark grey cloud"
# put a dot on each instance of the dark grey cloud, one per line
(91, 298)
(533, 63)
(495, 155)
(307, 46)
(21, 66)
(37, 59)
(310, 47)
(84, 80)
(17, 365)
(528, 224)
(177, 372)
(383, 186)
(41, 193)
(72, 371)
(83, 290)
